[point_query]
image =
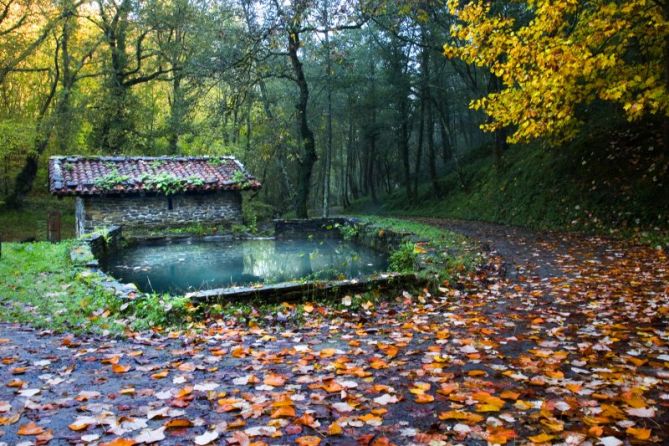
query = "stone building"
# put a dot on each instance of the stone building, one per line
(151, 192)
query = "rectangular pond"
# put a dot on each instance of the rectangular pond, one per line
(185, 266)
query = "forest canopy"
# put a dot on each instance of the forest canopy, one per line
(326, 101)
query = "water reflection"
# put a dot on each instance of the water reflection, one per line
(181, 267)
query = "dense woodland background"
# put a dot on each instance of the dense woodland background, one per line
(339, 104)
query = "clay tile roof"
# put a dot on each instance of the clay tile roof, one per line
(96, 175)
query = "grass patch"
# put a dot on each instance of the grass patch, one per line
(42, 287)
(440, 253)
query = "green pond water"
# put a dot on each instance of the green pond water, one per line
(179, 267)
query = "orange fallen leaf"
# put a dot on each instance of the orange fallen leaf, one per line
(285, 411)
(178, 422)
(118, 368)
(78, 427)
(500, 435)
(596, 431)
(309, 440)
(275, 380)
(331, 386)
(238, 352)
(553, 424)
(160, 375)
(377, 363)
(470, 418)
(6, 421)
(184, 392)
(44, 438)
(510, 395)
(119, 442)
(424, 398)
(30, 429)
(488, 408)
(307, 420)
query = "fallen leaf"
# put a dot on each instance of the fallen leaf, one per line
(118, 368)
(639, 433)
(30, 429)
(309, 440)
(206, 438)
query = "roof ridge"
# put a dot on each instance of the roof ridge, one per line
(101, 174)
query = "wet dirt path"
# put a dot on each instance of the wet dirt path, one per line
(557, 339)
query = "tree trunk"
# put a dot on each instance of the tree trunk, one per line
(176, 115)
(308, 157)
(328, 138)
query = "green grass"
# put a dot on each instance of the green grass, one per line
(454, 252)
(42, 287)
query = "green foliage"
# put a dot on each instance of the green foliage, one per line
(168, 184)
(348, 232)
(158, 310)
(109, 181)
(215, 161)
(404, 259)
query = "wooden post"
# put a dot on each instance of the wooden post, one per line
(53, 227)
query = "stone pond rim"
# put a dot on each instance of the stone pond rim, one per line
(95, 246)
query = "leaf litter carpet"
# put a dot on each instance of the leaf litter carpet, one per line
(556, 340)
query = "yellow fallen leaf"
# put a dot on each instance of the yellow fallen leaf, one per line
(541, 438)
(335, 429)
(553, 424)
(487, 408)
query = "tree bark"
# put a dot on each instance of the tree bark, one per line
(308, 157)
(328, 138)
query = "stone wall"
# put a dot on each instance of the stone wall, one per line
(157, 211)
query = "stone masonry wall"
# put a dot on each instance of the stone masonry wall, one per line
(154, 211)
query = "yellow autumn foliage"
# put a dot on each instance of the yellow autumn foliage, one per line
(569, 53)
